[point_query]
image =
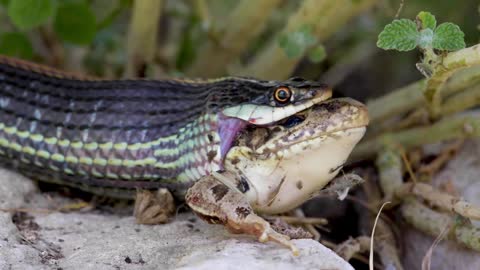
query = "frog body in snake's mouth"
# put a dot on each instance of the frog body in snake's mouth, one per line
(294, 162)
(276, 168)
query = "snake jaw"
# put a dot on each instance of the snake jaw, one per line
(233, 120)
(264, 110)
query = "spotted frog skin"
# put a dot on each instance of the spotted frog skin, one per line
(275, 169)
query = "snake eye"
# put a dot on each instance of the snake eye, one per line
(282, 95)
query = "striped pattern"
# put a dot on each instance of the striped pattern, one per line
(102, 135)
(180, 158)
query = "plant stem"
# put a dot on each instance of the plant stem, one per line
(410, 97)
(433, 223)
(325, 15)
(439, 199)
(453, 62)
(108, 19)
(445, 129)
(390, 169)
(462, 101)
(245, 23)
(142, 36)
(396, 103)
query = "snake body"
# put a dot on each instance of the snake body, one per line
(114, 136)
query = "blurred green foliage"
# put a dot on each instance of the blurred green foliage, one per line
(190, 38)
(26, 14)
(317, 54)
(299, 42)
(90, 36)
(16, 44)
(295, 43)
(75, 23)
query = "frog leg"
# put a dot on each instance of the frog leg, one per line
(281, 226)
(218, 203)
(153, 207)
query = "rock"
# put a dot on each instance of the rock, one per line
(98, 240)
(14, 254)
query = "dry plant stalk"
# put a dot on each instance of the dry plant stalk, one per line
(407, 98)
(242, 26)
(325, 16)
(142, 35)
(457, 127)
(442, 200)
(389, 164)
(353, 246)
(386, 246)
(450, 64)
(385, 242)
(442, 158)
(433, 222)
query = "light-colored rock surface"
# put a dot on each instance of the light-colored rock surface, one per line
(463, 172)
(94, 240)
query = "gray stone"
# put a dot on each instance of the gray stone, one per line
(98, 240)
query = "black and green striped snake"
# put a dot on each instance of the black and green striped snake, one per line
(113, 136)
(230, 146)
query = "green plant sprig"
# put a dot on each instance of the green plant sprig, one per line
(406, 35)
(302, 41)
(432, 40)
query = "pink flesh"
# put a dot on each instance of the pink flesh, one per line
(228, 129)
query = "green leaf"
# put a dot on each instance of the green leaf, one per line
(187, 48)
(426, 38)
(16, 44)
(113, 13)
(400, 35)
(295, 43)
(427, 20)
(4, 2)
(317, 54)
(290, 48)
(27, 14)
(75, 23)
(448, 37)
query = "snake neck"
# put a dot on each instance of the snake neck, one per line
(170, 161)
(108, 134)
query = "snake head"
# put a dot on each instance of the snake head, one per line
(280, 100)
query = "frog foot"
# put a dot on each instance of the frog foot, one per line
(218, 203)
(282, 227)
(153, 207)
